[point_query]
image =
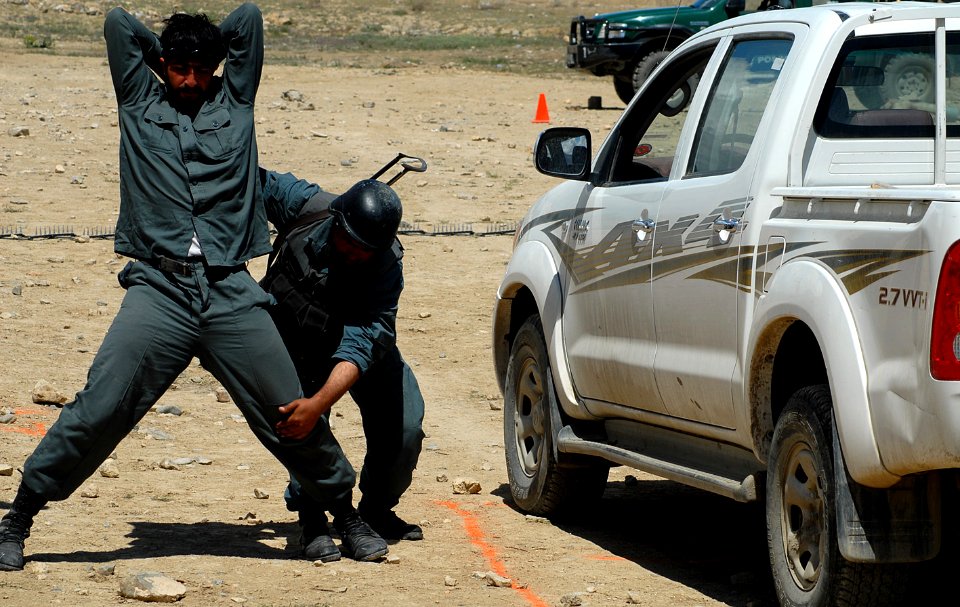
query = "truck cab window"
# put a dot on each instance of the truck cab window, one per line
(650, 132)
(736, 104)
(885, 87)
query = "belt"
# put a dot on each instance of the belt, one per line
(175, 266)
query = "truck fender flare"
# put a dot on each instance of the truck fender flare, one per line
(807, 291)
(533, 267)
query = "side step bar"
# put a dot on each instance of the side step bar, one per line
(744, 490)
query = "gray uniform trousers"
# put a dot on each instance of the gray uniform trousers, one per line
(217, 315)
(391, 406)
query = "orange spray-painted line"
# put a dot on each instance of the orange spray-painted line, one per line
(45, 411)
(37, 429)
(472, 526)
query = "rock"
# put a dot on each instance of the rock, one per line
(17, 290)
(169, 410)
(441, 478)
(530, 518)
(76, 180)
(6, 470)
(464, 486)
(630, 481)
(59, 169)
(222, 395)
(168, 465)
(393, 559)
(634, 598)
(108, 569)
(369, 105)
(155, 433)
(292, 95)
(486, 466)
(45, 393)
(449, 581)
(109, 469)
(261, 494)
(8, 418)
(18, 131)
(499, 581)
(152, 587)
(571, 600)
(496, 405)
(182, 461)
(424, 315)
(37, 568)
(91, 491)
(203, 461)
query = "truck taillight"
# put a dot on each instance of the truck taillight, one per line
(945, 335)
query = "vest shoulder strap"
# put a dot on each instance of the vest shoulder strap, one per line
(314, 210)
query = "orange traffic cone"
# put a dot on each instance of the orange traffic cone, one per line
(542, 114)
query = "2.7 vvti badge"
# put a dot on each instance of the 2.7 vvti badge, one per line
(753, 288)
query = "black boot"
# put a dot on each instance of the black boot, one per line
(15, 528)
(390, 526)
(357, 539)
(315, 540)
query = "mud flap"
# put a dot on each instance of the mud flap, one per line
(901, 524)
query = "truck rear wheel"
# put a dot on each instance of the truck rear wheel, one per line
(808, 569)
(540, 482)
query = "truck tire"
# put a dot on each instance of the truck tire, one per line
(627, 88)
(624, 88)
(910, 77)
(540, 483)
(808, 569)
(645, 67)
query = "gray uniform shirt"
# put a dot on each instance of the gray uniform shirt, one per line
(180, 176)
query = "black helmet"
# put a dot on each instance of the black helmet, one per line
(370, 212)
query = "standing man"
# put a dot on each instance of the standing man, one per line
(191, 215)
(337, 278)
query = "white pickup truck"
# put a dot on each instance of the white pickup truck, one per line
(754, 288)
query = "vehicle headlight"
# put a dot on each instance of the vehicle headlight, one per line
(616, 31)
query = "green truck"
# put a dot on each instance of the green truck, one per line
(628, 45)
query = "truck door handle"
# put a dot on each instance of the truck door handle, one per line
(642, 227)
(725, 227)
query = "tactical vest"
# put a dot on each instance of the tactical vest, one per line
(298, 281)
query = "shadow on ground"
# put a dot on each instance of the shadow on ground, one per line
(152, 540)
(712, 544)
(706, 542)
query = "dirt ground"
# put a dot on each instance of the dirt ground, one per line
(202, 524)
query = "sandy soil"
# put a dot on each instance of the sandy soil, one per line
(667, 544)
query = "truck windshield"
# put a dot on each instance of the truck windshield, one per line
(885, 87)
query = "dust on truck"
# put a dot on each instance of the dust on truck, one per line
(756, 292)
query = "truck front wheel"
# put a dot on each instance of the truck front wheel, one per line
(541, 482)
(624, 88)
(808, 569)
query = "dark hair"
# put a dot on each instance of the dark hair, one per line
(192, 38)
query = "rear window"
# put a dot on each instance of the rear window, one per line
(885, 87)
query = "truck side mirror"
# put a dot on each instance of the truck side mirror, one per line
(563, 152)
